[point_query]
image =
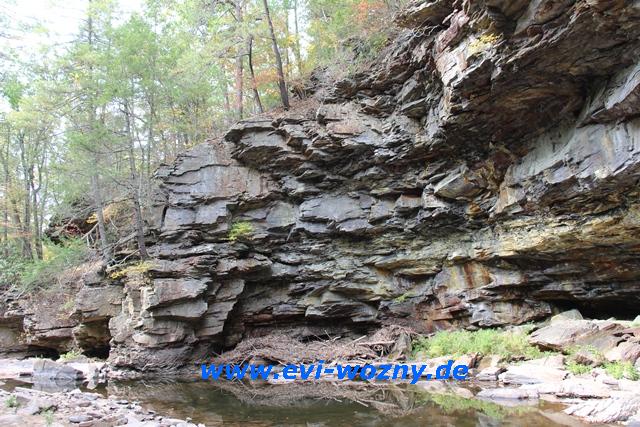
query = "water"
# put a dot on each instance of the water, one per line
(328, 405)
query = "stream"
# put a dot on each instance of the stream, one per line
(324, 404)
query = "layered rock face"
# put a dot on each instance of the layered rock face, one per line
(483, 172)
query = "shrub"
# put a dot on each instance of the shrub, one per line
(240, 229)
(619, 370)
(70, 355)
(48, 417)
(11, 266)
(11, 402)
(485, 341)
(57, 258)
(578, 368)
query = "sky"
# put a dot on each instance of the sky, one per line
(61, 18)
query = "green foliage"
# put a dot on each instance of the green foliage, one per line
(403, 297)
(486, 341)
(48, 416)
(578, 368)
(361, 26)
(619, 370)
(240, 229)
(592, 351)
(70, 355)
(51, 269)
(11, 401)
(11, 266)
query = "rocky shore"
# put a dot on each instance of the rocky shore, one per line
(27, 406)
(574, 371)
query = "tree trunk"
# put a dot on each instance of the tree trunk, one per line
(287, 59)
(296, 49)
(284, 96)
(37, 232)
(134, 193)
(95, 178)
(99, 206)
(227, 103)
(239, 66)
(254, 85)
(27, 250)
(5, 214)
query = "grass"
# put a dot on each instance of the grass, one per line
(70, 355)
(240, 229)
(11, 402)
(48, 417)
(578, 368)
(619, 370)
(512, 345)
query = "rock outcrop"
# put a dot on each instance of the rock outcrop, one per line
(483, 172)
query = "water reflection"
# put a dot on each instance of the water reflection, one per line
(326, 404)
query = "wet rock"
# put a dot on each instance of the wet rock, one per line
(489, 374)
(507, 394)
(45, 369)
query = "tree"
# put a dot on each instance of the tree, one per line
(284, 96)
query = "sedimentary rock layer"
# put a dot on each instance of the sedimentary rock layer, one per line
(483, 172)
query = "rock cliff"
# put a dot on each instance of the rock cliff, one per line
(483, 172)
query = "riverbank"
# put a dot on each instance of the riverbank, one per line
(27, 406)
(581, 371)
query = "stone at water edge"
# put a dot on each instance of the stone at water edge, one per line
(48, 369)
(611, 410)
(490, 374)
(544, 370)
(572, 388)
(507, 394)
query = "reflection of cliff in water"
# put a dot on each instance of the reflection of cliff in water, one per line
(329, 404)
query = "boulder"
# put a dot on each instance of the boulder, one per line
(507, 394)
(611, 410)
(44, 369)
(545, 370)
